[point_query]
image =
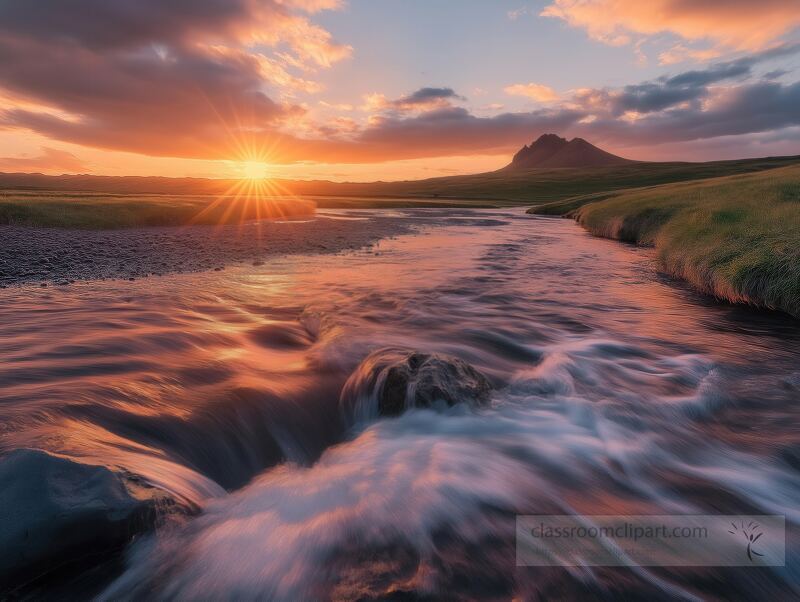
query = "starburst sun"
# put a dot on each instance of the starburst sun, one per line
(254, 170)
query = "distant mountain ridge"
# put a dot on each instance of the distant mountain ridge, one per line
(550, 150)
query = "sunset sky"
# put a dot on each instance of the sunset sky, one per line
(388, 89)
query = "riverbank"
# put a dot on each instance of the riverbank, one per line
(736, 237)
(98, 211)
(58, 256)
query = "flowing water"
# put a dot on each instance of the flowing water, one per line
(614, 391)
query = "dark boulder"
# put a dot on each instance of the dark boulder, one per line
(58, 512)
(389, 382)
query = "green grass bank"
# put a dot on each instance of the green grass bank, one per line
(735, 237)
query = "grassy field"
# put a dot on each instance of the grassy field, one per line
(122, 202)
(525, 187)
(97, 211)
(736, 237)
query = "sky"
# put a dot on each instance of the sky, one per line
(366, 90)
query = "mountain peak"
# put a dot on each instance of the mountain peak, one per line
(551, 150)
(550, 138)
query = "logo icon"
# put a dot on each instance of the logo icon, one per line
(751, 534)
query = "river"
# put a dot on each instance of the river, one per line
(614, 391)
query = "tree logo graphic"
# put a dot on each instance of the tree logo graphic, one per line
(751, 534)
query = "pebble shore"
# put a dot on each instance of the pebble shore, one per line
(59, 257)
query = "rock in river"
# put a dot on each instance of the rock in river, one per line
(56, 511)
(390, 381)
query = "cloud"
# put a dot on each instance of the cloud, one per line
(537, 92)
(138, 102)
(215, 79)
(736, 110)
(455, 130)
(106, 25)
(425, 96)
(776, 73)
(421, 100)
(313, 6)
(344, 106)
(51, 160)
(754, 108)
(688, 87)
(608, 117)
(274, 71)
(701, 104)
(746, 109)
(743, 109)
(680, 53)
(734, 24)
(166, 77)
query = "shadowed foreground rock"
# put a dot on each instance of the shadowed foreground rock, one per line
(389, 382)
(57, 512)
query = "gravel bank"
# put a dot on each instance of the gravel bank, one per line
(59, 257)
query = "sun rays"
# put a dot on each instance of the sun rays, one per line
(254, 198)
(254, 170)
(254, 194)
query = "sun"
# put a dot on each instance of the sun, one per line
(254, 170)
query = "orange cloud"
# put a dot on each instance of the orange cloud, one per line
(679, 53)
(735, 24)
(341, 106)
(309, 42)
(537, 92)
(312, 6)
(272, 70)
(51, 160)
